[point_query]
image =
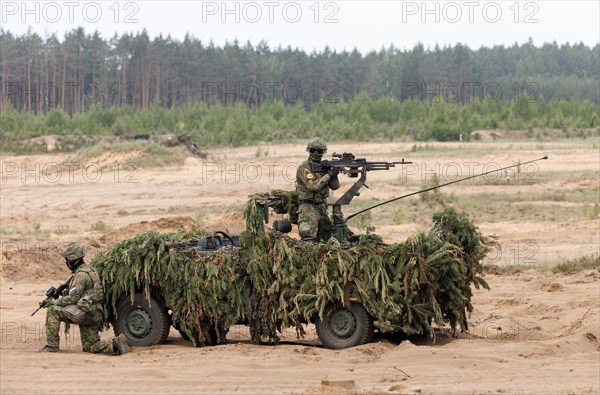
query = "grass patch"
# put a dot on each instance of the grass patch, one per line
(570, 266)
(63, 230)
(100, 226)
(591, 212)
(37, 231)
(155, 155)
(4, 231)
(398, 216)
(99, 148)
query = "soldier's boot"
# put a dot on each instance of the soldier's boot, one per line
(49, 349)
(120, 345)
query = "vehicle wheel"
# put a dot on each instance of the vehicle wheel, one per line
(144, 323)
(344, 327)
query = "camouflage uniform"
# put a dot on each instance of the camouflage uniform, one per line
(85, 291)
(313, 189)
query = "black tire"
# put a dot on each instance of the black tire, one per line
(344, 327)
(144, 322)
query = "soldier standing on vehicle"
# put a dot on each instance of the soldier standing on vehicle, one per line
(313, 189)
(82, 306)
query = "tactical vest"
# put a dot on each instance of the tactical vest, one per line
(305, 194)
(96, 293)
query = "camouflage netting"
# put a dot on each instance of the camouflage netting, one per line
(405, 286)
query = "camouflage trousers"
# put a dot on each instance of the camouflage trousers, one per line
(90, 338)
(313, 222)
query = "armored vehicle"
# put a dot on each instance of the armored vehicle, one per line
(349, 287)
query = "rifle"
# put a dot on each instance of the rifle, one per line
(349, 164)
(53, 293)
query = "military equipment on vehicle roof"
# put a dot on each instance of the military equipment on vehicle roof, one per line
(349, 164)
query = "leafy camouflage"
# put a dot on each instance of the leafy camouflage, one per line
(274, 281)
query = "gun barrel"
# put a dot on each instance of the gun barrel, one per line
(36, 310)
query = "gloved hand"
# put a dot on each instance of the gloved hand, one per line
(333, 172)
(47, 303)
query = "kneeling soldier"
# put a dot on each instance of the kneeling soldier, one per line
(81, 306)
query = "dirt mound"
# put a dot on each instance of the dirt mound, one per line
(91, 166)
(163, 225)
(43, 261)
(32, 263)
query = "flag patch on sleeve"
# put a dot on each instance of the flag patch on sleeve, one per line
(72, 290)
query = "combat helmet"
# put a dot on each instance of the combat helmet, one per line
(316, 143)
(74, 254)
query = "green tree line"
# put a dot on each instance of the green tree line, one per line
(361, 118)
(82, 72)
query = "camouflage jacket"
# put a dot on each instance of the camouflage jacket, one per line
(314, 186)
(85, 289)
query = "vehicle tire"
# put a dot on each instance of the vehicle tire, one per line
(144, 322)
(343, 327)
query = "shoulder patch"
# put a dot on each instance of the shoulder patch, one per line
(310, 176)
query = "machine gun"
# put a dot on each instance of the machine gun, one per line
(344, 221)
(339, 222)
(53, 293)
(349, 164)
(354, 167)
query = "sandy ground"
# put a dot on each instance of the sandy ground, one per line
(533, 332)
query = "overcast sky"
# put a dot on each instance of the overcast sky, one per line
(309, 25)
